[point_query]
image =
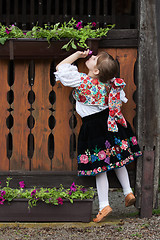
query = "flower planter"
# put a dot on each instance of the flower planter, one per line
(79, 211)
(24, 48)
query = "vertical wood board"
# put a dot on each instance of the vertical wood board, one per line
(41, 113)
(20, 131)
(62, 131)
(4, 161)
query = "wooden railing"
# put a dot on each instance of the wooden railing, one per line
(27, 13)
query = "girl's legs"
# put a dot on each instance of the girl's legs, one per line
(102, 189)
(123, 177)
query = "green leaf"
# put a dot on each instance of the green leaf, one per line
(73, 45)
(3, 40)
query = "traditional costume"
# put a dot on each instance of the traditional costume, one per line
(106, 140)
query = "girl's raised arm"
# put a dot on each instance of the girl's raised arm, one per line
(72, 58)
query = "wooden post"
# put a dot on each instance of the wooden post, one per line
(148, 124)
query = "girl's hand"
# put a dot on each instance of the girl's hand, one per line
(83, 54)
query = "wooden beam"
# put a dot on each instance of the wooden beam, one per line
(55, 178)
(147, 184)
(148, 107)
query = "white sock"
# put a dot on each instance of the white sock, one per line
(123, 177)
(102, 190)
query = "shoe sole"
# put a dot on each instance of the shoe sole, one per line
(103, 218)
(131, 202)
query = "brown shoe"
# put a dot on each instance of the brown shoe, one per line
(102, 214)
(130, 200)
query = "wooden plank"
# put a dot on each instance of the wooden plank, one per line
(8, 12)
(19, 159)
(148, 85)
(4, 162)
(127, 59)
(147, 184)
(32, 13)
(62, 131)
(24, 14)
(41, 113)
(55, 178)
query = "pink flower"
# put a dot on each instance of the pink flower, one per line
(131, 157)
(2, 200)
(84, 159)
(124, 145)
(93, 24)
(90, 52)
(8, 31)
(134, 140)
(88, 173)
(79, 25)
(82, 172)
(101, 155)
(60, 201)
(21, 184)
(73, 187)
(24, 33)
(95, 171)
(3, 193)
(33, 192)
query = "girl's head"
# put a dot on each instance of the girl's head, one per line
(103, 66)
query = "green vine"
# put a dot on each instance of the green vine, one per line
(72, 30)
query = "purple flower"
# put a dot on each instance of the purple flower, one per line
(107, 160)
(0, 182)
(60, 201)
(24, 33)
(2, 200)
(33, 192)
(21, 184)
(3, 193)
(107, 144)
(93, 24)
(90, 52)
(83, 190)
(79, 25)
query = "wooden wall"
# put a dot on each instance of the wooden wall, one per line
(38, 122)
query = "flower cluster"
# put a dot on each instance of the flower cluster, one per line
(75, 32)
(48, 195)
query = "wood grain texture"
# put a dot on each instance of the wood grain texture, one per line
(4, 161)
(62, 130)
(19, 159)
(41, 113)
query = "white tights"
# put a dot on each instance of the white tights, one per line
(103, 185)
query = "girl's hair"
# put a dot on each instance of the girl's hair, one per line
(107, 66)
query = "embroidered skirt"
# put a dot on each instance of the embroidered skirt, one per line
(100, 150)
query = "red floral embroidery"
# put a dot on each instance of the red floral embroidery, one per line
(94, 81)
(82, 98)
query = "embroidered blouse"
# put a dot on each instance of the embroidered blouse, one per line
(92, 96)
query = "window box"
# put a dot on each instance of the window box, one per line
(17, 210)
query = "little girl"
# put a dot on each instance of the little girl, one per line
(106, 140)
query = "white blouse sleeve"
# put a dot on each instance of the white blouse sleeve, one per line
(122, 96)
(68, 75)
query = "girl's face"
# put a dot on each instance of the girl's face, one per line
(91, 63)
